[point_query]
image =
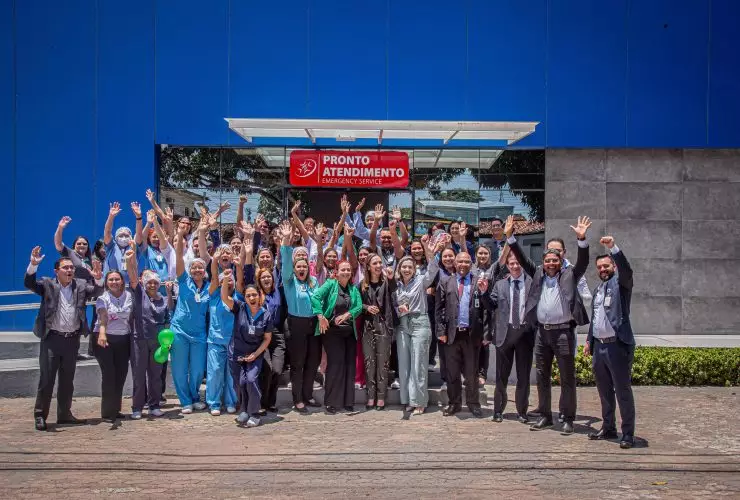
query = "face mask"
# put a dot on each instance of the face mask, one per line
(123, 240)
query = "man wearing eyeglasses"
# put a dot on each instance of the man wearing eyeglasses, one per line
(554, 305)
(60, 322)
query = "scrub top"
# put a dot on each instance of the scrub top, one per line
(189, 319)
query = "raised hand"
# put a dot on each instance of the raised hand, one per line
(482, 284)
(360, 205)
(247, 229)
(296, 206)
(136, 208)
(151, 216)
(286, 230)
(169, 287)
(349, 231)
(115, 209)
(581, 228)
(236, 260)
(396, 213)
(169, 214)
(36, 256)
(203, 222)
(150, 195)
(392, 224)
(217, 254)
(222, 208)
(97, 270)
(318, 231)
(379, 213)
(64, 221)
(607, 241)
(509, 226)
(388, 272)
(463, 230)
(260, 223)
(130, 252)
(212, 222)
(243, 199)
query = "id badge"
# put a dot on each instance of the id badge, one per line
(123, 264)
(477, 302)
(159, 258)
(251, 329)
(197, 298)
(608, 301)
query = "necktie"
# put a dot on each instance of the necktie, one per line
(515, 320)
(460, 287)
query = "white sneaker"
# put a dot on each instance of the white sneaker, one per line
(156, 412)
(136, 415)
(396, 384)
(199, 406)
(243, 417)
(290, 385)
(187, 409)
(215, 412)
(444, 386)
(253, 422)
(230, 409)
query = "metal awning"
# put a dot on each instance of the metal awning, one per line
(445, 132)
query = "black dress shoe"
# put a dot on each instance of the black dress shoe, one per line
(380, 408)
(542, 423)
(497, 417)
(561, 418)
(120, 416)
(302, 411)
(262, 412)
(522, 419)
(313, 404)
(349, 408)
(603, 434)
(567, 428)
(477, 413)
(450, 410)
(272, 409)
(627, 442)
(71, 420)
(84, 357)
(331, 410)
(40, 423)
(369, 407)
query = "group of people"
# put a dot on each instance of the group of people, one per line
(361, 305)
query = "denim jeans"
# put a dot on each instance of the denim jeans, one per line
(413, 338)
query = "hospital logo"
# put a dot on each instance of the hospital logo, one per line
(307, 168)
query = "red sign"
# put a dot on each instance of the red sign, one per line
(355, 169)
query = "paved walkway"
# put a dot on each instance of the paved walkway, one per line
(692, 450)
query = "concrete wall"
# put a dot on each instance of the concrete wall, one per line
(676, 215)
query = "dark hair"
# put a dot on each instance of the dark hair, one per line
(88, 254)
(557, 240)
(59, 261)
(485, 247)
(604, 256)
(112, 271)
(260, 295)
(498, 219)
(553, 251)
(99, 245)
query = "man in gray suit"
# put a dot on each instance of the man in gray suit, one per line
(60, 322)
(555, 307)
(514, 336)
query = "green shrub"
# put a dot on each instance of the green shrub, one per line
(671, 366)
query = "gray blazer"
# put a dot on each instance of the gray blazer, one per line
(497, 300)
(49, 290)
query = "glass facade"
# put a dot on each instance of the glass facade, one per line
(445, 185)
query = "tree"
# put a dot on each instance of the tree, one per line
(464, 195)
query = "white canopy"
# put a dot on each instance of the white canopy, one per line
(447, 132)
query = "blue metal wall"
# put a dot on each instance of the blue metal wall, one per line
(88, 87)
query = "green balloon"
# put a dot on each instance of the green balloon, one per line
(166, 337)
(161, 354)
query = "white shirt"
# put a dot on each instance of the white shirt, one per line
(602, 327)
(522, 298)
(66, 319)
(550, 305)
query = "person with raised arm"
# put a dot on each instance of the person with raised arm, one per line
(337, 303)
(252, 334)
(60, 322)
(414, 335)
(151, 313)
(116, 247)
(80, 253)
(166, 216)
(390, 246)
(274, 356)
(189, 324)
(154, 251)
(554, 307)
(112, 343)
(303, 346)
(379, 322)
(220, 387)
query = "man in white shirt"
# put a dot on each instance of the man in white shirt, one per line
(60, 322)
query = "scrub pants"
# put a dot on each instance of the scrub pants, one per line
(188, 359)
(413, 339)
(146, 374)
(247, 384)
(219, 382)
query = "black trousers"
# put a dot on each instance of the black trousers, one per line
(56, 354)
(305, 356)
(612, 365)
(377, 353)
(461, 359)
(483, 360)
(341, 349)
(517, 347)
(113, 361)
(272, 368)
(558, 344)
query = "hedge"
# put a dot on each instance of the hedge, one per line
(671, 366)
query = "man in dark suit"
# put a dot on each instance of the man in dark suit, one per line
(555, 307)
(60, 322)
(612, 342)
(461, 325)
(514, 337)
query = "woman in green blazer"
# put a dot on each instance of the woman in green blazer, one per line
(337, 303)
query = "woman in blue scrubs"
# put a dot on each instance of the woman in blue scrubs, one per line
(188, 355)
